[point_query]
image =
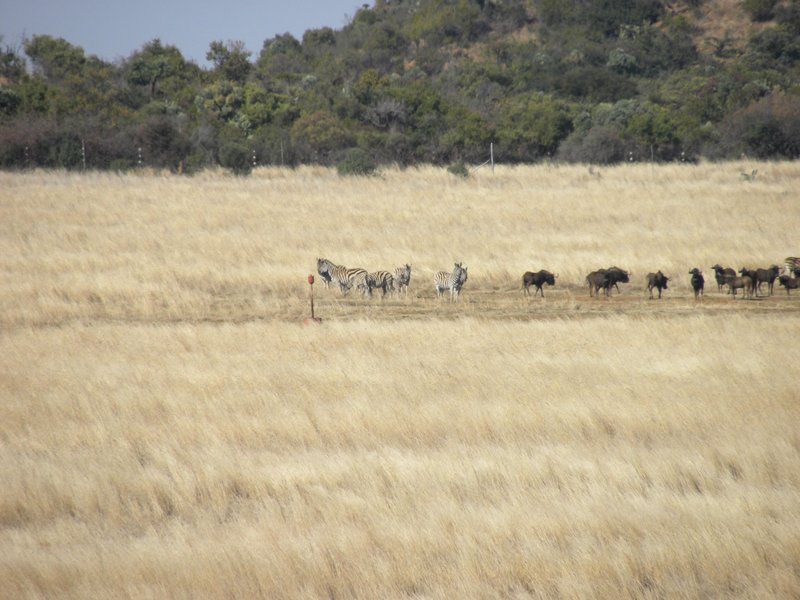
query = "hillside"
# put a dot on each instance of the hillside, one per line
(431, 81)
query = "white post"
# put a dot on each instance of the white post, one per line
(83, 153)
(491, 154)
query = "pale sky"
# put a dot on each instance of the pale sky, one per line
(112, 28)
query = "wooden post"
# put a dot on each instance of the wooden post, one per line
(281, 152)
(313, 320)
(491, 154)
(311, 294)
(83, 154)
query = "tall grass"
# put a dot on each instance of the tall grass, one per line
(168, 428)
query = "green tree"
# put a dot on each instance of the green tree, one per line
(12, 66)
(153, 64)
(532, 126)
(54, 58)
(231, 60)
(319, 135)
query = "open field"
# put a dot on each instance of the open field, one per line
(168, 429)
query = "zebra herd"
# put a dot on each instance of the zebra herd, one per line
(444, 281)
(365, 281)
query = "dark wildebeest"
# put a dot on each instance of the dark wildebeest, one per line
(698, 282)
(657, 280)
(744, 282)
(537, 279)
(767, 276)
(617, 276)
(597, 280)
(721, 274)
(790, 283)
(751, 273)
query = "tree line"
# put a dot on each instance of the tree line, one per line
(432, 81)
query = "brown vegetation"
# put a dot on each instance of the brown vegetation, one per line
(169, 429)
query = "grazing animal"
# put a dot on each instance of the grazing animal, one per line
(450, 281)
(744, 282)
(657, 280)
(537, 279)
(382, 280)
(341, 275)
(402, 275)
(767, 276)
(698, 282)
(751, 273)
(597, 280)
(792, 266)
(721, 274)
(322, 269)
(790, 283)
(617, 276)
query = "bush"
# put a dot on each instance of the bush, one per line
(459, 170)
(768, 128)
(601, 145)
(356, 162)
(236, 158)
(760, 10)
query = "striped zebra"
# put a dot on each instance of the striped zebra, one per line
(450, 281)
(792, 266)
(378, 280)
(323, 268)
(341, 275)
(402, 275)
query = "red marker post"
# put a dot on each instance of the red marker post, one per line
(313, 320)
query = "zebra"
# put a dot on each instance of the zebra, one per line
(450, 281)
(323, 269)
(402, 275)
(346, 278)
(792, 266)
(379, 279)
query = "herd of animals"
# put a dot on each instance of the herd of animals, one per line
(747, 280)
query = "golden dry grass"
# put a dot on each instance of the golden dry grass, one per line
(170, 430)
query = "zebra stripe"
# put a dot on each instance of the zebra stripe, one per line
(450, 281)
(346, 278)
(402, 275)
(792, 265)
(379, 279)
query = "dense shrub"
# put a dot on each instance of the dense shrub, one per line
(424, 81)
(162, 142)
(319, 135)
(459, 170)
(769, 127)
(760, 10)
(356, 162)
(236, 157)
(600, 145)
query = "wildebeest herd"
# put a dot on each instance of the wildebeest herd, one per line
(747, 280)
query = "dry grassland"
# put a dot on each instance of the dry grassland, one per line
(168, 429)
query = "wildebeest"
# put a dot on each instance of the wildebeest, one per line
(657, 280)
(597, 280)
(606, 279)
(745, 272)
(617, 276)
(767, 276)
(744, 282)
(537, 279)
(790, 283)
(698, 282)
(721, 274)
